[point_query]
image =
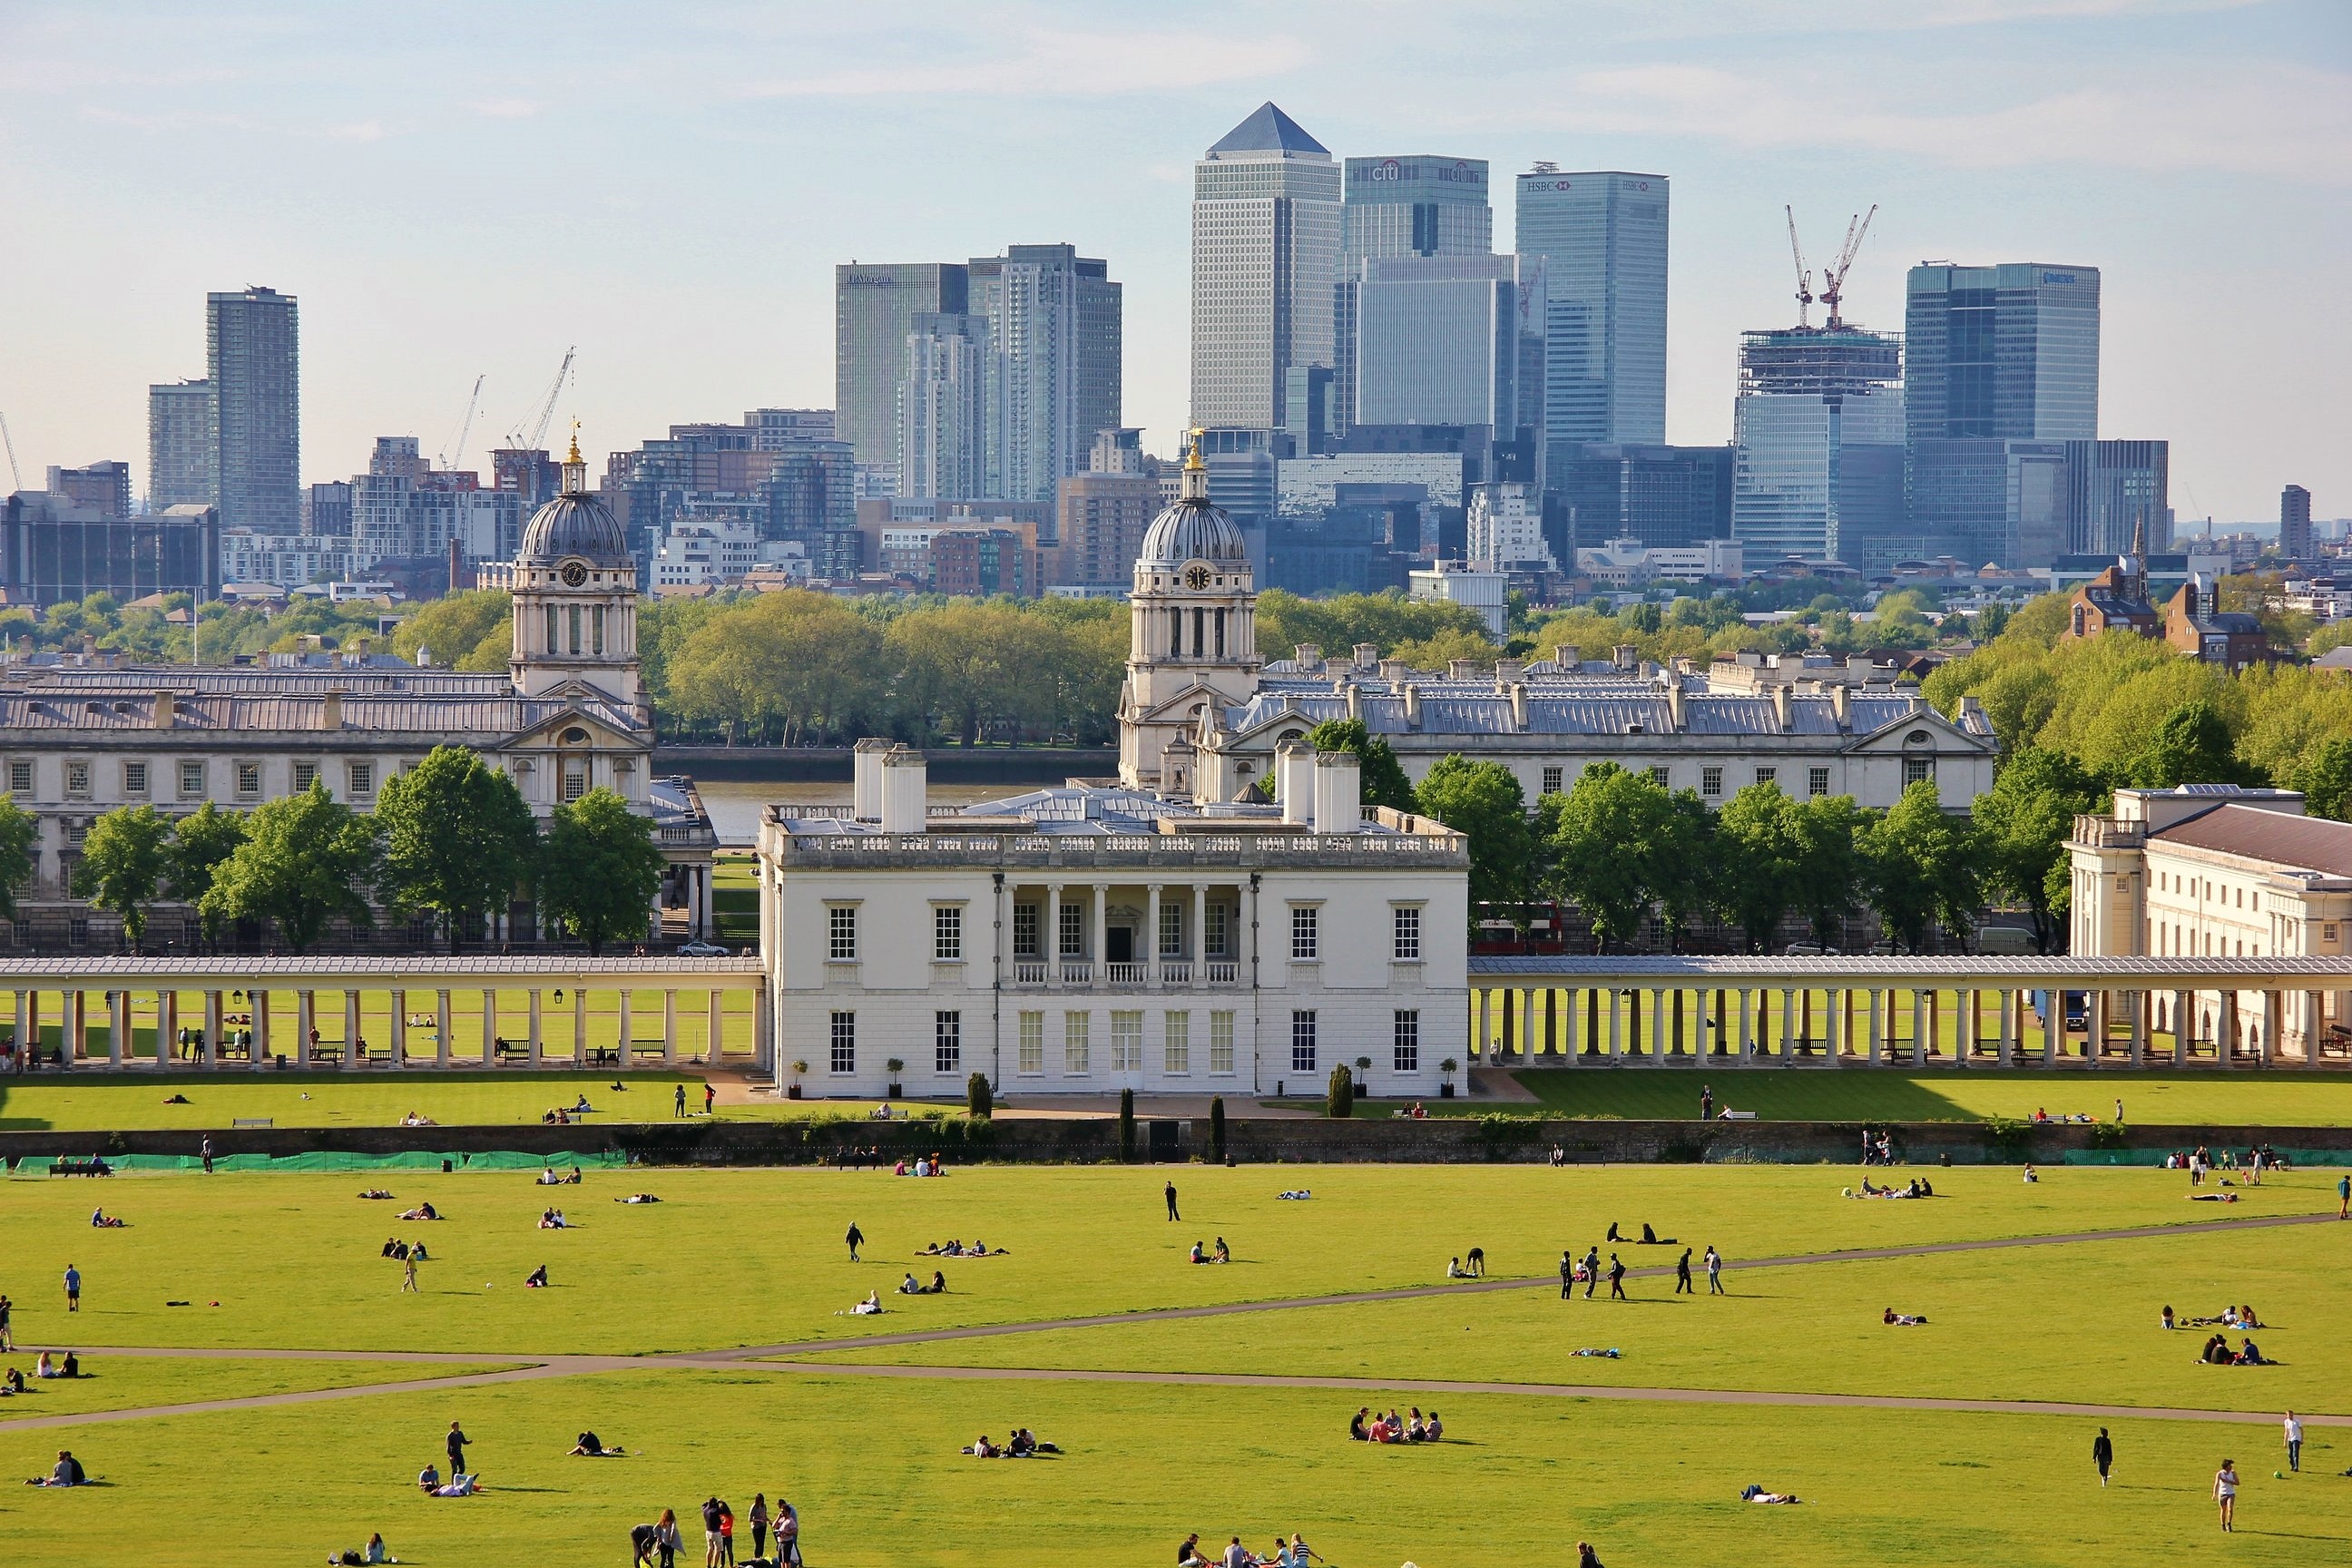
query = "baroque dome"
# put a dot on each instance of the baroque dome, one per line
(573, 526)
(1192, 529)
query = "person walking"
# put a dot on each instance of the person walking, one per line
(2294, 1442)
(1682, 1275)
(73, 1288)
(677, 1101)
(208, 1152)
(1706, 1102)
(2344, 1196)
(711, 1510)
(1591, 1271)
(1567, 1272)
(2225, 1493)
(408, 1275)
(455, 1443)
(1714, 1272)
(1617, 1278)
(857, 1239)
(7, 1336)
(758, 1517)
(2119, 1110)
(1172, 1215)
(2102, 1454)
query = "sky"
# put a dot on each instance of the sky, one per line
(462, 190)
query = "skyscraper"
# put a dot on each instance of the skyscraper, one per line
(1602, 237)
(1419, 204)
(179, 445)
(1265, 266)
(874, 305)
(2294, 523)
(1439, 338)
(943, 407)
(1818, 428)
(2119, 496)
(1053, 321)
(252, 357)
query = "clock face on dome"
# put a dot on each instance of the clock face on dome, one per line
(575, 574)
(1196, 577)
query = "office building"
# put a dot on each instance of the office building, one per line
(1440, 340)
(1817, 433)
(1602, 237)
(180, 445)
(874, 307)
(1414, 206)
(1101, 514)
(403, 509)
(252, 359)
(943, 407)
(1265, 269)
(774, 430)
(2294, 523)
(58, 549)
(1505, 530)
(981, 562)
(1667, 498)
(1053, 352)
(103, 488)
(1989, 501)
(2118, 498)
(1305, 484)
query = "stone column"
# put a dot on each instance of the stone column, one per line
(1839, 1024)
(1198, 937)
(716, 1041)
(2053, 1028)
(25, 1038)
(1746, 1026)
(578, 1025)
(167, 1028)
(1920, 1028)
(352, 1028)
(2009, 1025)
(2184, 1027)
(118, 1028)
(2315, 1026)
(78, 1029)
(400, 1029)
(621, 1036)
(1098, 925)
(2225, 1031)
(214, 1011)
(1877, 1025)
(1616, 1025)
(538, 1036)
(1050, 938)
(306, 1022)
(2274, 1025)
(489, 1026)
(1571, 1009)
(1151, 937)
(441, 1029)
(1661, 1026)
(1788, 1022)
(669, 1028)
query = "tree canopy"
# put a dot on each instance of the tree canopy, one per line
(458, 838)
(599, 869)
(20, 837)
(124, 860)
(1483, 801)
(1383, 778)
(306, 861)
(201, 841)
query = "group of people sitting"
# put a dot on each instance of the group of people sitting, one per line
(1903, 1319)
(952, 1248)
(2230, 1318)
(552, 1219)
(2217, 1353)
(102, 1220)
(593, 1447)
(564, 1115)
(1021, 1445)
(1649, 1237)
(1919, 1187)
(1367, 1425)
(1293, 1553)
(2044, 1119)
(460, 1484)
(375, 1551)
(66, 1473)
(422, 1211)
(937, 1286)
(418, 1118)
(1218, 1254)
(1475, 1270)
(404, 1250)
(548, 1178)
(1416, 1111)
(924, 1166)
(46, 1365)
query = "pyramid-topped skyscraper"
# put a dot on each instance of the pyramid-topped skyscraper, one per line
(1265, 267)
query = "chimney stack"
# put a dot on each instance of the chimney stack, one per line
(330, 711)
(165, 716)
(906, 790)
(1294, 781)
(1781, 707)
(866, 778)
(1338, 792)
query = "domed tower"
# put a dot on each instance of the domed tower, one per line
(576, 597)
(1193, 640)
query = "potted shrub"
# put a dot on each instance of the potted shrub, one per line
(1363, 1077)
(1339, 1099)
(1447, 1067)
(793, 1090)
(896, 1067)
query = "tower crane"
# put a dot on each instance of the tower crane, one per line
(1834, 278)
(10, 442)
(449, 456)
(1805, 278)
(535, 439)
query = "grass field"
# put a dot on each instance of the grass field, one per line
(734, 1266)
(1968, 1094)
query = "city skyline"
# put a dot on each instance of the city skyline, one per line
(498, 204)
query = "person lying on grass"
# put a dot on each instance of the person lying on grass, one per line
(376, 1193)
(638, 1198)
(101, 1220)
(593, 1447)
(1758, 1494)
(870, 1308)
(1903, 1319)
(422, 1211)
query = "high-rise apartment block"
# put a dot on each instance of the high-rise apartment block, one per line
(1415, 206)
(101, 490)
(1265, 269)
(943, 407)
(180, 445)
(1818, 428)
(1668, 498)
(874, 307)
(1101, 514)
(2294, 523)
(252, 359)
(1602, 237)
(1054, 350)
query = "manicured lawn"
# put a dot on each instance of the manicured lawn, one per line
(131, 1382)
(2286, 1098)
(872, 1465)
(752, 1257)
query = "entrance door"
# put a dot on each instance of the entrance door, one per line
(1120, 941)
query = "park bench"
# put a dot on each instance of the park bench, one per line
(253, 1121)
(379, 1055)
(602, 1057)
(1739, 1115)
(513, 1050)
(93, 1166)
(648, 1051)
(325, 1052)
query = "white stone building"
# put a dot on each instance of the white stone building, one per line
(1084, 939)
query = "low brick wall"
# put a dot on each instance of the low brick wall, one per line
(1251, 1140)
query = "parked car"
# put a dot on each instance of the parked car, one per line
(701, 950)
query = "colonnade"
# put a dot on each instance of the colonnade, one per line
(1201, 954)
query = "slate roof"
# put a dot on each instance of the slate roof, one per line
(1269, 130)
(2299, 843)
(1596, 708)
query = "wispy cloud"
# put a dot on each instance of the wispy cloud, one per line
(1055, 63)
(507, 108)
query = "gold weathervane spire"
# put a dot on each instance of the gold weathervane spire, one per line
(1192, 456)
(575, 457)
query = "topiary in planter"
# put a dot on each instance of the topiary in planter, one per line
(1126, 1126)
(1341, 1099)
(977, 1099)
(1217, 1131)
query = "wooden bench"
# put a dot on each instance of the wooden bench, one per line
(648, 1051)
(326, 1052)
(511, 1050)
(93, 1166)
(602, 1057)
(1739, 1115)
(253, 1121)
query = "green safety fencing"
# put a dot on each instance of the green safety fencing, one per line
(38, 1165)
(2158, 1156)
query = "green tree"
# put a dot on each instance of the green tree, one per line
(2192, 746)
(199, 843)
(599, 868)
(2022, 825)
(1339, 1094)
(305, 859)
(1384, 782)
(1483, 801)
(1761, 837)
(458, 838)
(1921, 866)
(123, 862)
(472, 630)
(1442, 647)
(1610, 842)
(20, 837)
(1828, 882)
(794, 666)
(2325, 780)
(968, 668)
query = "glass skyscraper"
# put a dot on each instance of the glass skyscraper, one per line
(1265, 269)
(1419, 204)
(874, 307)
(1438, 339)
(1817, 433)
(1053, 363)
(180, 445)
(1602, 237)
(252, 355)
(2119, 496)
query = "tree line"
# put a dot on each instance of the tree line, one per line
(451, 839)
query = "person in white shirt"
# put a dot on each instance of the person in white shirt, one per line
(2294, 1442)
(2225, 1493)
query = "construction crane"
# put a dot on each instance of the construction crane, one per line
(1834, 278)
(10, 442)
(449, 456)
(536, 438)
(1805, 278)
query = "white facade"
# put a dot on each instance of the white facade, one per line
(1505, 530)
(1307, 485)
(1629, 562)
(1083, 940)
(1486, 593)
(288, 560)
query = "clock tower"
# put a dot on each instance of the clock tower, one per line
(575, 598)
(1193, 633)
